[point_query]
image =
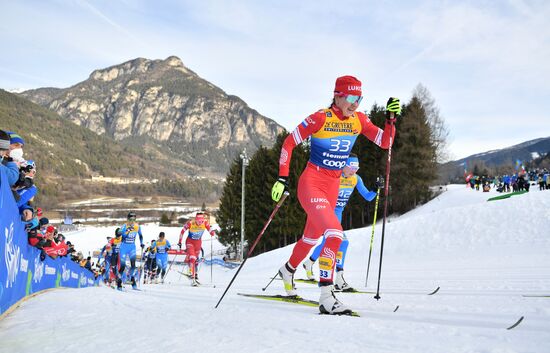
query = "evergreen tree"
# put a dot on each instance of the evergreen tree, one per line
(414, 157)
(228, 215)
(261, 173)
(164, 219)
(287, 227)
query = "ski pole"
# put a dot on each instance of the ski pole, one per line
(181, 272)
(285, 194)
(140, 267)
(264, 288)
(386, 193)
(373, 226)
(171, 263)
(211, 263)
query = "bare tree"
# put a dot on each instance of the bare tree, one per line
(439, 130)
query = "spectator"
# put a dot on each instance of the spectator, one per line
(70, 250)
(24, 187)
(51, 247)
(88, 264)
(36, 237)
(43, 222)
(79, 257)
(27, 171)
(6, 162)
(16, 147)
(83, 261)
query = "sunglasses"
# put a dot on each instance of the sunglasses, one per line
(351, 98)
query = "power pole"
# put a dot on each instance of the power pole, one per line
(244, 157)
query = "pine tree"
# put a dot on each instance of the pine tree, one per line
(228, 215)
(261, 173)
(414, 157)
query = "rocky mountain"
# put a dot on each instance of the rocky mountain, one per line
(74, 162)
(164, 107)
(504, 158)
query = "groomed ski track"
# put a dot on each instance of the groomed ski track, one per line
(486, 257)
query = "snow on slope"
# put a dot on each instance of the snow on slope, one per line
(484, 255)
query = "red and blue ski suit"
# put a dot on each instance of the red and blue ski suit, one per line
(193, 242)
(332, 138)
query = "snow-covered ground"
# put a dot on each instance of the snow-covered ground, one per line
(485, 256)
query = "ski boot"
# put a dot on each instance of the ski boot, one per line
(340, 284)
(119, 284)
(308, 266)
(287, 275)
(134, 285)
(329, 304)
(194, 282)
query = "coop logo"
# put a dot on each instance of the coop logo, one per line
(38, 270)
(50, 270)
(334, 164)
(65, 273)
(11, 256)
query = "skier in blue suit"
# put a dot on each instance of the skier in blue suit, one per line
(162, 246)
(129, 230)
(349, 181)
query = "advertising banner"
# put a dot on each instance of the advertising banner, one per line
(22, 273)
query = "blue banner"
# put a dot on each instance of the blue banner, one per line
(21, 271)
(221, 263)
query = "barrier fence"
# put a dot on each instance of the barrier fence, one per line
(22, 273)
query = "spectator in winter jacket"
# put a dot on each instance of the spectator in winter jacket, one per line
(6, 162)
(16, 147)
(53, 248)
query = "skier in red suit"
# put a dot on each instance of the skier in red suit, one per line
(193, 243)
(333, 132)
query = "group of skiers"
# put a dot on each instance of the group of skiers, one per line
(154, 259)
(326, 184)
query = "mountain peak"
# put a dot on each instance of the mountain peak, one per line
(138, 66)
(174, 61)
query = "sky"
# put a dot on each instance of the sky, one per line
(485, 63)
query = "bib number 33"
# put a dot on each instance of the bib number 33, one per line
(339, 145)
